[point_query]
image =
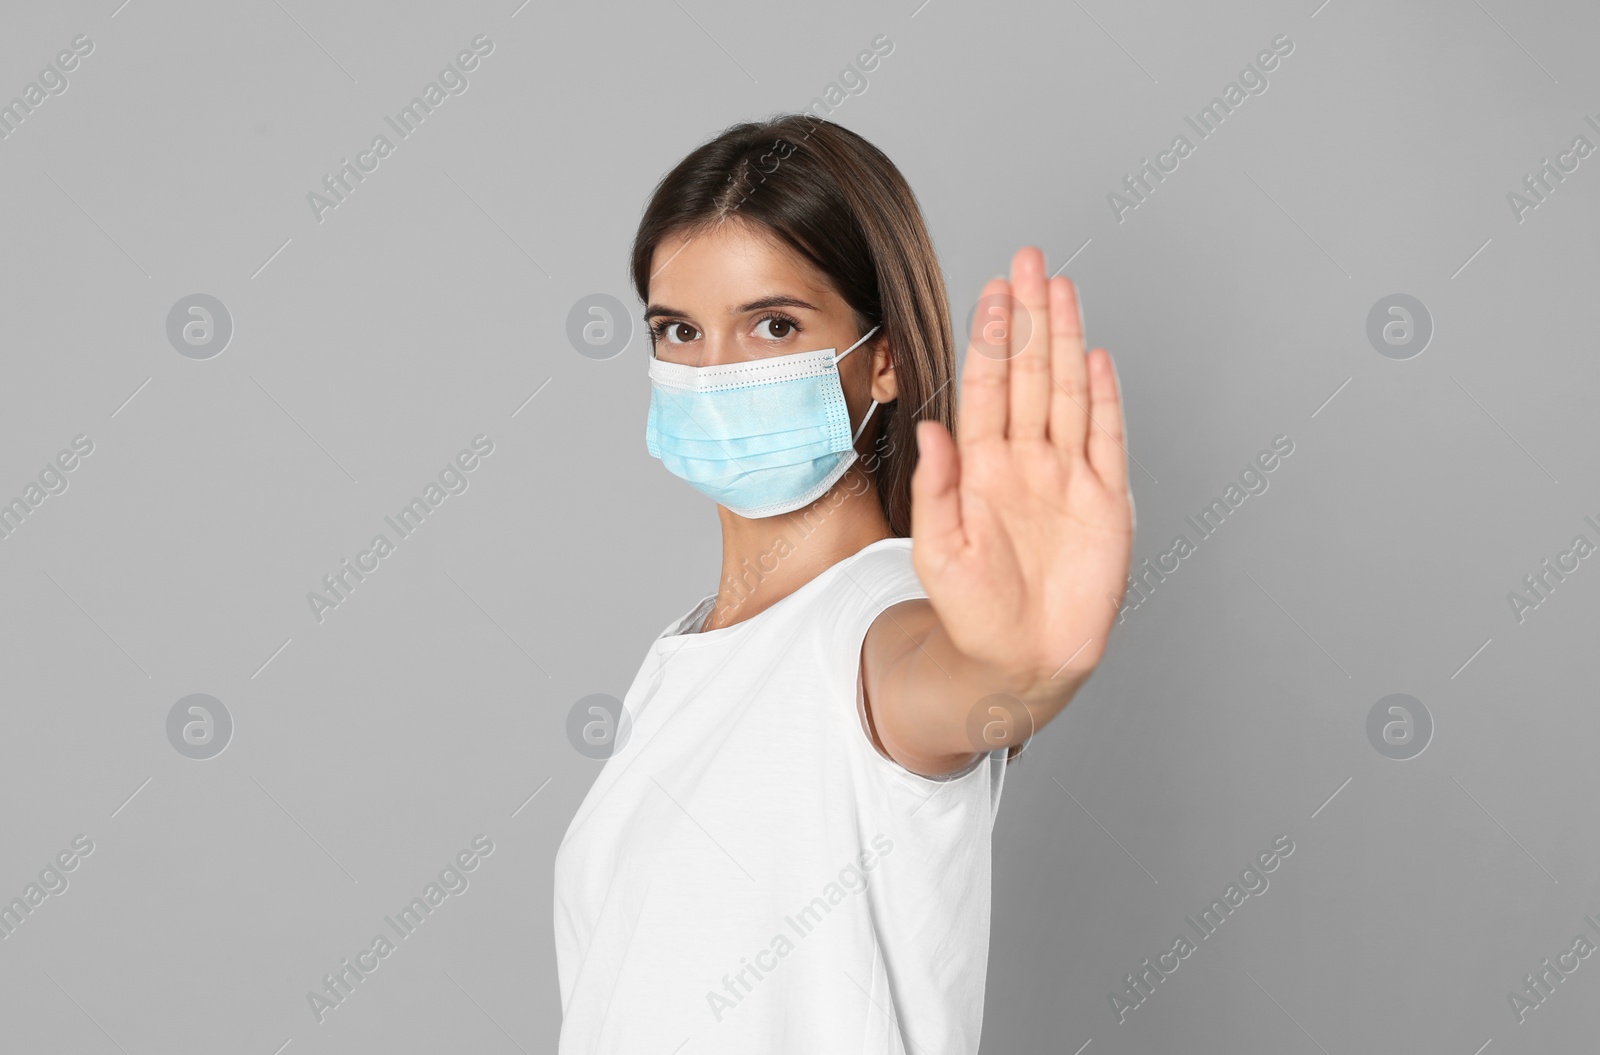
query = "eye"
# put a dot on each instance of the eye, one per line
(777, 327)
(673, 332)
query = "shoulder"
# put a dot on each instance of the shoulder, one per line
(879, 575)
(858, 590)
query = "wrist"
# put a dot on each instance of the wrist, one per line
(1042, 690)
(1031, 686)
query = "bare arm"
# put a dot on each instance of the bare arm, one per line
(934, 708)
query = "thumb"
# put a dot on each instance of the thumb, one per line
(935, 494)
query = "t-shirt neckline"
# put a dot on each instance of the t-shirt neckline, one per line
(678, 636)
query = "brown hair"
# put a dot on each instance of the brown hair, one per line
(840, 203)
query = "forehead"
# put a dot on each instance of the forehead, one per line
(731, 264)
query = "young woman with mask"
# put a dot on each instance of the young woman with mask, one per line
(789, 851)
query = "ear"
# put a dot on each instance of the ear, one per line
(885, 388)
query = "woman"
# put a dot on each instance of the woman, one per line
(789, 850)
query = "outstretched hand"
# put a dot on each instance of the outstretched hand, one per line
(1022, 529)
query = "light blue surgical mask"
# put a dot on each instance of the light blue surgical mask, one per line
(761, 437)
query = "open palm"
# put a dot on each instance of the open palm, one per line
(1022, 530)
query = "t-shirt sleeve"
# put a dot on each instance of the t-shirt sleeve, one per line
(868, 586)
(875, 580)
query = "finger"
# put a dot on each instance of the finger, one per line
(983, 378)
(1029, 347)
(1107, 444)
(1069, 395)
(935, 494)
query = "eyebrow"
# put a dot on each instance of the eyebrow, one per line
(775, 301)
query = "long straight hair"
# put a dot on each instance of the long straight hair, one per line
(840, 203)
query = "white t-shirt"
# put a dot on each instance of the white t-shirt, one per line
(748, 874)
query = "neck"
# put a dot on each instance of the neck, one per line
(766, 560)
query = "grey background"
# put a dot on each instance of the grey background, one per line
(369, 348)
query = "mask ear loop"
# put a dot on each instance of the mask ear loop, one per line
(863, 428)
(874, 405)
(853, 347)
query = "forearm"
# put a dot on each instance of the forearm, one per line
(943, 703)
